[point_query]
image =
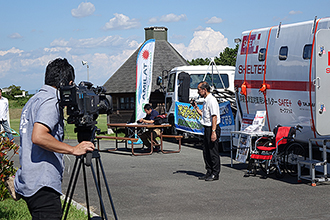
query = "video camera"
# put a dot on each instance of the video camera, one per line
(85, 103)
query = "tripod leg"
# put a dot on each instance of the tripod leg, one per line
(70, 183)
(99, 183)
(108, 189)
(86, 191)
(74, 186)
(99, 192)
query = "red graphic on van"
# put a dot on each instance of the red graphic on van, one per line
(253, 44)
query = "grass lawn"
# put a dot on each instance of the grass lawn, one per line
(69, 133)
(15, 114)
(18, 210)
(69, 128)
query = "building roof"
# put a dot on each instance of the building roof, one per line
(165, 58)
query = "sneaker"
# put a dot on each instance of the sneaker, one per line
(204, 176)
(212, 178)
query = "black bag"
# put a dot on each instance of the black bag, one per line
(160, 119)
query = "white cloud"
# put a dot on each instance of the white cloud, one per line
(169, 18)
(102, 65)
(153, 20)
(57, 49)
(13, 50)
(205, 44)
(27, 69)
(5, 67)
(36, 62)
(295, 12)
(84, 9)
(15, 36)
(106, 41)
(121, 22)
(214, 20)
(59, 42)
(173, 18)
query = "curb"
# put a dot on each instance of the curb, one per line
(80, 207)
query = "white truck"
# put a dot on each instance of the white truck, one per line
(182, 85)
(285, 71)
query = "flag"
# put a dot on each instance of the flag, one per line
(144, 64)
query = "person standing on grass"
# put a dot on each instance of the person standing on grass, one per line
(38, 180)
(4, 108)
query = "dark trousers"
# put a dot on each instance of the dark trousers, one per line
(211, 151)
(146, 136)
(45, 204)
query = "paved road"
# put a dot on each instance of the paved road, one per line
(166, 186)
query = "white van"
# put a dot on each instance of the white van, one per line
(284, 70)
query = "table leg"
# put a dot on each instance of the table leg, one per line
(140, 154)
(116, 128)
(151, 140)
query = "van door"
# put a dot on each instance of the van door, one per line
(170, 93)
(322, 82)
(183, 87)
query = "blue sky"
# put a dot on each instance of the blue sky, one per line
(105, 33)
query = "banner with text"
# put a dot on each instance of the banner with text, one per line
(144, 65)
(187, 119)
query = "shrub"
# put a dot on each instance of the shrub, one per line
(7, 150)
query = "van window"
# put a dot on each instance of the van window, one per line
(171, 81)
(307, 52)
(195, 79)
(262, 54)
(283, 53)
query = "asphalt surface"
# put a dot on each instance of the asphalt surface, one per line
(166, 186)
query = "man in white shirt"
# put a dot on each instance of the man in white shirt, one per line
(210, 120)
(3, 115)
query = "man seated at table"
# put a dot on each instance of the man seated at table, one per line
(149, 119)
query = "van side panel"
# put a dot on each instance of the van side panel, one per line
(288, 97)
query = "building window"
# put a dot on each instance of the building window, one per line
(126, 103)
(283, 53)
(262, 54)
(307, 52)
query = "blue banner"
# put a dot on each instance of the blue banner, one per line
(187, 119)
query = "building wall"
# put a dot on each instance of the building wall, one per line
(124, 106)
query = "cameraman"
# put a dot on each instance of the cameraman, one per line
(38, 180)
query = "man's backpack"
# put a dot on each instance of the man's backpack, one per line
(160, 119)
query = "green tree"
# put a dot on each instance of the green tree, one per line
(16, 101)
(13, 91)
(227, 57)
(199, 61)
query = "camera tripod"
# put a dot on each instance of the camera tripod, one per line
(88, 134)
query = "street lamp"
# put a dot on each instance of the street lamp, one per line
(85, 63)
